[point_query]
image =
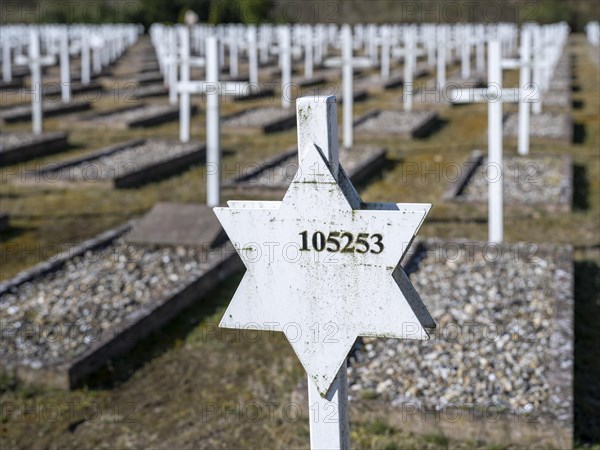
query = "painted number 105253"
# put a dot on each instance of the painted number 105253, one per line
(343, 242)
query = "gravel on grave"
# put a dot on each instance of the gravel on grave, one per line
(393, 122)
(545, 125)
(527, 180)
(134, 114)
(283, 173)
(60, 315)
(557, 98)
(10, 141)
(125, 161)
(257, 117)
(493, 345)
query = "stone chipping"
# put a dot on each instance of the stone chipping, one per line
(256, 117)
(527, 180)
(59, 316)
(497, 338)
(393, 122)
(124, 161)
(545, 125)
(13, 140)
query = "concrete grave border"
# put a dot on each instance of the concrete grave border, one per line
(475, 160)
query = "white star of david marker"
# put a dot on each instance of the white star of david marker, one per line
(322, 266)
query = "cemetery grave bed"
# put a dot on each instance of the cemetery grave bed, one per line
(406, 124)
(54, 89)
(307, 82)
(140, 115)
(22, 113)
(99, 299)
(546, 127)
(20, 146)
(143, 78)
(375, 83)
(360, 95)
(268, 119)
(540, 181)
(274, 175)
(517, 367)
(151, 90)
(557, 99)
(4, 222)
(126, 165)
(248, 94)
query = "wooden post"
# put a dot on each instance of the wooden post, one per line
(441, 56)
(286, 66)
(65, 70)
(328, 415)
(252, 57)
(495, 167)
(409, 67)
(465, 52)
(36, 80)
(525, 86)
(85, 57)
(347, 75)
(233, 52)
(385, 52)
(6, 59)
(173, 59)
(308, 51)
(184, 96)
(213, 131)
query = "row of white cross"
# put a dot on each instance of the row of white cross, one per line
(380, 43)
(529, 91)
(38, 47)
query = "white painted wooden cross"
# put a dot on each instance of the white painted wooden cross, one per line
(410, 63)
(324, 268)
(494, 95)
(185, 87)
(85, 57)
(6, 57)
(441, 45)
(525, 94)
(285, 61)
(65, 67)
(348, 62)
(35, 62)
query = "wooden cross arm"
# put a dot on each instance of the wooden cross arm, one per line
(360, 62)
(203, 87)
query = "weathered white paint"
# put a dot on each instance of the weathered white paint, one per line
(323, 300)
(286, 66)
(213, 128)
(65, 69)
(441, 56)
(85, 58)
(6, 60)
(184, 96)
(172, 59)
(495, 142)
(385, 52)
(35, 62)
(525, 88)
(348, 89)
(409, 67)
(252, 56)
(308, 51)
